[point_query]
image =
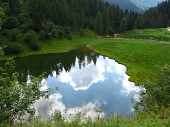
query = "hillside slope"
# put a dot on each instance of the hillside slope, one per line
(135, 5)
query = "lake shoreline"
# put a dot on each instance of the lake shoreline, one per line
(140, 56)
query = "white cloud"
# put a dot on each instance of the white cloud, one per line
(46, 107)
(87, 110)
(84, 78)
(120, 70)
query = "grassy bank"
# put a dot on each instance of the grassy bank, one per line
(149, 119)
(140, 56)
(161, 34)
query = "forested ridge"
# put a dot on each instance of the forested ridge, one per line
(32, 21)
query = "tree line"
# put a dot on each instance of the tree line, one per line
(32, 21)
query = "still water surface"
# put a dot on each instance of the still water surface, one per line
(87, 81)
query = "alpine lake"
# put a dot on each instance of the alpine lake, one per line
(88, 83)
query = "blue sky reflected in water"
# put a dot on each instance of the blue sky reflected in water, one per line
(102, 86)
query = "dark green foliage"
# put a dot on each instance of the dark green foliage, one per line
(42, 34)
(110, 32)
(81, 32)
(4, 42)
(98, 23)
(24, 28)
(69, 36)
(29, 36)
(60, 34)
(168, 24)
(13, 48)
(13, 33)
(157, 16)
(17, 97)
(34, 43)
(4, 32)
(10, 23)
(21, 18)
(14, 6)
(53, 32)
(1, 16)
(157, 93)
(138, 23)
(124, 24)
(67, 30)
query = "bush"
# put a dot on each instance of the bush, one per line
(69, 36)
(10, 23)
(13, 48)
(110, 32)
(13, 34)
(53, 32)
(67, 30)
(81, 32)
(21, 18)
(29, 36)
(24, 28)
(157, 93)
(17, 97)
(4, 32)
(4, 42)
(60, 34)
(34, 44)
(42, 34)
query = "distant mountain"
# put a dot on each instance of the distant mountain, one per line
(145, 4)
(135, 5)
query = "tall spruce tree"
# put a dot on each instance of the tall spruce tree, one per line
(98, 23)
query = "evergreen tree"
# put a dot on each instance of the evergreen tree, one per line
(160, 22)
(138, 23)
(123, 24)
(98, 23)
(106, 20)
(14, 6)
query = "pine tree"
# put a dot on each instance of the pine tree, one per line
(138, 23)
(14, 6)
(98, 23)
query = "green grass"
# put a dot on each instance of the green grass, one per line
(161, 34)
(144, 119)
(139, 56)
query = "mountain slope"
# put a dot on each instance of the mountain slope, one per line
(145, 4)
(135, 5)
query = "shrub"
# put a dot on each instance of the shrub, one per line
(110, 32)
(10, 23)
(34, 44)
(157, 93)
(67, 30)
(13, 48)
(4, 32)
(17, 97)
(69, 36)
(4, 42)
(29, 36)
(81, 32)
(24, 28)
(42, 34)
(60, 34)
(13, 34)
(53, 32)
(21, 18)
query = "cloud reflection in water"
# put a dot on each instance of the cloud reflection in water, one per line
(102, 86)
